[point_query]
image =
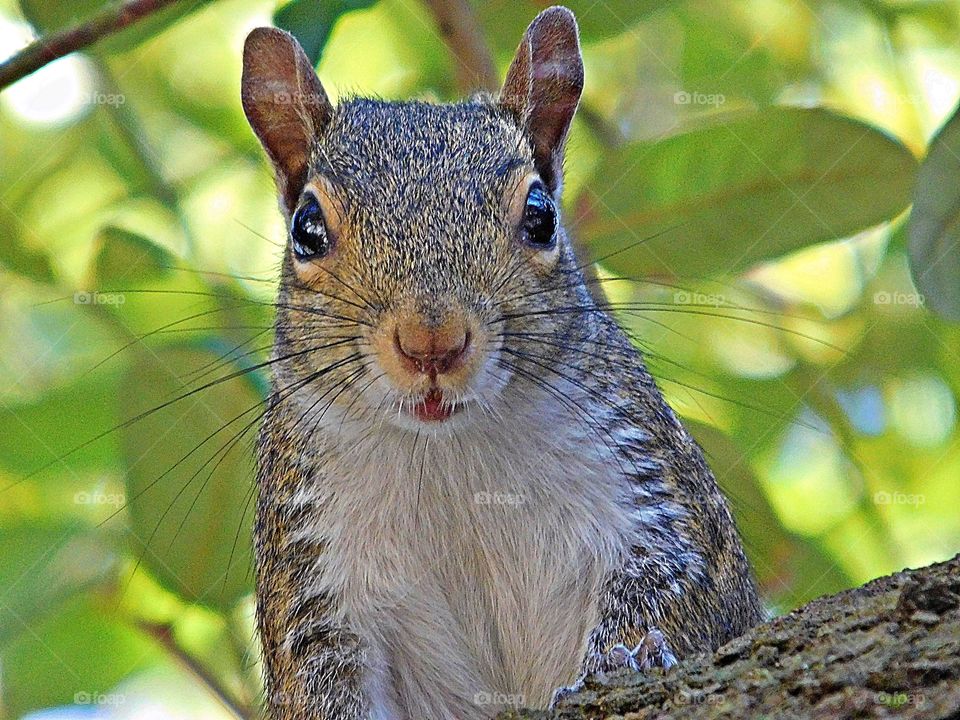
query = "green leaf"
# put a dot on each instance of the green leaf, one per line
(51, 15)
(76, 655)
(48, 16)
(791, 570)
(718, 200)
(149, 291)
(189, 472)
(311, 21)
(124, 257)
(504, 21)
(18, 257)
(45, 566)
(934, 229)
(714, 37)
(42, 433)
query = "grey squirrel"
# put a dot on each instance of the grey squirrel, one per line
(471, 492)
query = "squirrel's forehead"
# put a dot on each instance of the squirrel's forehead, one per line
(374, 139)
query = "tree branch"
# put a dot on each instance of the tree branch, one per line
(461, 32)
(888, 649)
(54, 46)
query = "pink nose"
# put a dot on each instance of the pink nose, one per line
(432, 351)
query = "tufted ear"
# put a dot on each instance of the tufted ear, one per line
(285, 105)
(543, 87)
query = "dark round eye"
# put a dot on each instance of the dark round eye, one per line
(308, 232)
(539, 225)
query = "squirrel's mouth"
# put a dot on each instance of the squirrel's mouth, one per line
(432, 408)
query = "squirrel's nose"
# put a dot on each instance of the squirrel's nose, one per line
(432, 350)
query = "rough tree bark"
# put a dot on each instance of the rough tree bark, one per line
(888, 649)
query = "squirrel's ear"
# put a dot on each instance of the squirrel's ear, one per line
(543, 87)
(285, 105)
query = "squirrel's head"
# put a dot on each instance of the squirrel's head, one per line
(427, 270)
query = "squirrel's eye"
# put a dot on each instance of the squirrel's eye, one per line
(540, 218)
(308, 232)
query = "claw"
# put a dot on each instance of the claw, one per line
(650, 652)
(653, 651)
(562, 693)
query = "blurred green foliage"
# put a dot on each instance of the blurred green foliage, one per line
(744, 169)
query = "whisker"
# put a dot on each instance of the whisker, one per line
(624, 353)
(146, 413)
(219, 455)
(234, 298)
(634, 310)
(567, 401)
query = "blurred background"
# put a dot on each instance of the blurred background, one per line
(772, 187)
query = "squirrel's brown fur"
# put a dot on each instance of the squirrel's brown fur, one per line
(419, 571)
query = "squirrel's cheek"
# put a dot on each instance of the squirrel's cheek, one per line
(545, 259)
(314, 276)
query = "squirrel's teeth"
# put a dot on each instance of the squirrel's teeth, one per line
(432, 408)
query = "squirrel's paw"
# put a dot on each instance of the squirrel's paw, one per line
(650, 652)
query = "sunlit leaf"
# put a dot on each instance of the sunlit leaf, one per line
(934, 230)
(505, 20)
(190, 471)
(722, 57)
(124, 257)
(311, 22)
(44, 433)
(717, 200)
(76, 655)
(148, 291)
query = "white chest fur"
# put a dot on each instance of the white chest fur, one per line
(469, 563)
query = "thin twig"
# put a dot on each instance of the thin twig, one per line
(163, 634)
(54, 46)
(461, 32)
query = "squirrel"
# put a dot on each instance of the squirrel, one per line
(471, 492)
